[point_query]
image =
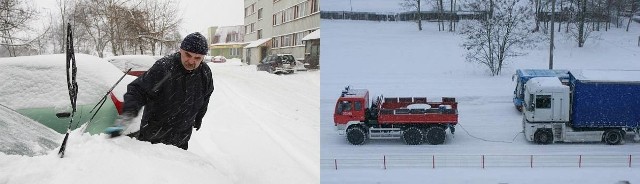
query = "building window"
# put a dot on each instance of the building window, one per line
(274, 19)
(249, 10)
(232, 37)
(290, 14)
(283, 14)
(303, 8)
(287, 40)
(275, 42)
(259, 13)
(314, 6)
(252, 27)
(259, 33)
(234, 52)
(299, 37)
(216, 39)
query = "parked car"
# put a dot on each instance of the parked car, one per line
(36, 87)
(207, 59)
(138, 63)
(219, 59)
(20, 135)
(278, 64)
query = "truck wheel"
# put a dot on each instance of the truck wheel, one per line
(412, 136)
(613, 136)
(543, 137)
(356, 135)
(435, 135)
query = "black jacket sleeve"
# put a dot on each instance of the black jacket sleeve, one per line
(209, 85)
(144, 88)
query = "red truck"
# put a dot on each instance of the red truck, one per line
(413, 119)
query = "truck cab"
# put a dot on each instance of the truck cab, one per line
(546, 107)
(350, 108)
(524, 75)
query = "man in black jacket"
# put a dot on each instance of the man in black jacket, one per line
(175, 92)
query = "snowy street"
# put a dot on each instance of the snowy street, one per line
(394, 59)
(262, 123)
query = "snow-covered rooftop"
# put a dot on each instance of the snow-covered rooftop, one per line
(312, 36)
(607, 75)
(256, 43)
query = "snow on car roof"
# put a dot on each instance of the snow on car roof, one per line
(40, 81)
(137, 62)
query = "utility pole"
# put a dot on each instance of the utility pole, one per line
(553, 12)
(351, 5)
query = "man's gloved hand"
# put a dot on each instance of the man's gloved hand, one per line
(197, 125)
(122, 122)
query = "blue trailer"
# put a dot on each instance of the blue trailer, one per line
(523, 75)
(597, 105)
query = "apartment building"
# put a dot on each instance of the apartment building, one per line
(278, 27)
(227, 41)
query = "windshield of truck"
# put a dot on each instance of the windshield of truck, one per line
(543, 101)
(343, 106)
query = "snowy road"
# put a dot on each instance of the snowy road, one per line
(262, 123)
(394, 59)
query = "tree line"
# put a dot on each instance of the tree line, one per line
(509, 27)
(99, 26)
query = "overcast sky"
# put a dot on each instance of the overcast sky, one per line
(201, 14)
(197, 15)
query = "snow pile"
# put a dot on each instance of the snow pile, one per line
(259, 128)
(95, 159)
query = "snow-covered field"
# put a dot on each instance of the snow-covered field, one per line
(395, 59)
(260, 128)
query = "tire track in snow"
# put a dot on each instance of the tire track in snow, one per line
(248, 103)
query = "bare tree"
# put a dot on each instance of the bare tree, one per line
(452, 20)
(440, 15)
(501, 35)
(94, 25)
(633, 8)
(15, 19)
(581, 22)
(414, 5)
(162, 20)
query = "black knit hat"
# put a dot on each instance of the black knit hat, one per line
(195, 43)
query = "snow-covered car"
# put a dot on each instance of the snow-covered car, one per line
(636, 17)
(36, 87)
(20, 135)
(207, 59)
(138, 63)
(219, 59)
(278, 63)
